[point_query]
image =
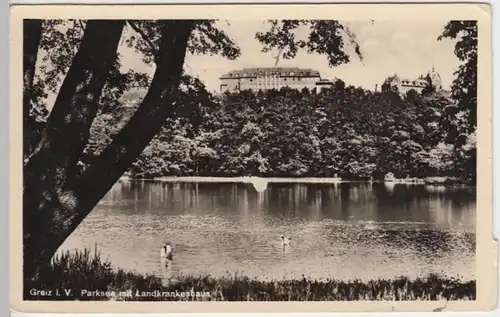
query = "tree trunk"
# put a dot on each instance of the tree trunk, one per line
(147, 121)
(51, 171)
(68, 206)
(32, 33)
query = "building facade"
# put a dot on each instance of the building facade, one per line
(256, 79)
(403, 85)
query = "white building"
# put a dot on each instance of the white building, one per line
(256, 79)
(403, 85)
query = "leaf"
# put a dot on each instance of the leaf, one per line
(325, 37)
(464, 87)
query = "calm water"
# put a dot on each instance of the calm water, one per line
(347, 230)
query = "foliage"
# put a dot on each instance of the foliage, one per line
(205, 39)
(461, 120)
(339, 84)
(355, 133)
(429, 88)
(326, 37)
(464, 88)
(85, 270)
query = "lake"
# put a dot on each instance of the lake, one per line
(342, 230)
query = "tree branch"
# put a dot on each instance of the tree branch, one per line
(152, 47)
(149, 118)
(352, 39)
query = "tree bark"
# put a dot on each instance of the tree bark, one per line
(66, 206)
(51, 171)
(32, 33)
(147, 121)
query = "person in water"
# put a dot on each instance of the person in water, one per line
(166, 251)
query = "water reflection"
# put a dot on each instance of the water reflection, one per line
(351, 230)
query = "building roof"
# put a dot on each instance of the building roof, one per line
(280, 71)
(421, 81)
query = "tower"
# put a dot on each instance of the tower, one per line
(436, 78)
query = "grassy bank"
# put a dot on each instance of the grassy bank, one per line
(83, 275)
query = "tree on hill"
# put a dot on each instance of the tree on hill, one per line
(58, 191)
(464, 87)
(429, 88)
(339, 84)
(461, 118)
(354, 133)
(412, 95)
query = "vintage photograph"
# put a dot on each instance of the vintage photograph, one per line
(249, 160)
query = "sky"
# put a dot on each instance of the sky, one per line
(408, 48)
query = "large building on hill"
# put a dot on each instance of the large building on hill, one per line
(256, 79)
(403, 85)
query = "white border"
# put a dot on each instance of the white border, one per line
(4, 139)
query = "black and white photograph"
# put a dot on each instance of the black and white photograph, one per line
(249, 160)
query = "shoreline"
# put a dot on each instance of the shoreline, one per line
(431, 181)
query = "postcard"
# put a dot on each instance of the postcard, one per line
(251, 158)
